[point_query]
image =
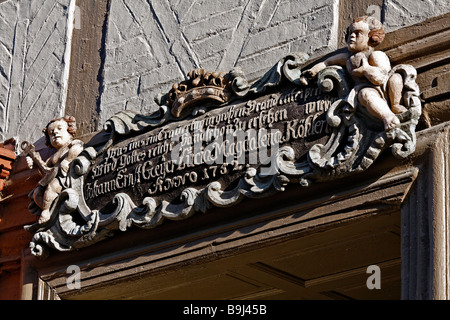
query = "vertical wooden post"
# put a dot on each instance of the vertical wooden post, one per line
(425, 227)
(86, 67)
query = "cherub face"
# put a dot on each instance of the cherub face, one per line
(358, 39)
(58, 133)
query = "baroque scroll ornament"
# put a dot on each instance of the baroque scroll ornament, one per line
(357, 137)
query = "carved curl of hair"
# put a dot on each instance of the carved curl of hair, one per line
(376, 33)
(71, 128)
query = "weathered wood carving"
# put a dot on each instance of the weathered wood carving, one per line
(59, 134)
(218, 139)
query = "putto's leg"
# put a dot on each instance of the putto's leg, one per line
(395, 88)
(378, 107)
(51, 192)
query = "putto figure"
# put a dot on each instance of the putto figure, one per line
(375, 82)
(59, 134)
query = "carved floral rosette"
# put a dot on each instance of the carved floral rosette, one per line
(355, 142)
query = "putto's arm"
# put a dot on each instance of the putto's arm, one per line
(337, 59)
(34, 157)
(375, 69)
